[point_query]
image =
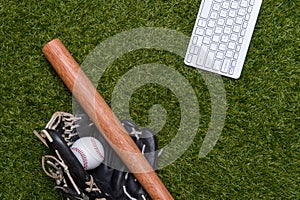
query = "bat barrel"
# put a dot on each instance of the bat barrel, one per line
(103, 117)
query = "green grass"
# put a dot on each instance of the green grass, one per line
(258, 153)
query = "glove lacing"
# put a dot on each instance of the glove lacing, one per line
(67, 122)
(59, 166)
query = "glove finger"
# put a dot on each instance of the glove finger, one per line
(133, 188)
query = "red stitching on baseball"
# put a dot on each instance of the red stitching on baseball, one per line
(96, 148)
(83, 156)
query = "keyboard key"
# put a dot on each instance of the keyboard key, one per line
(239, 20)
(209, 32)
(205, 12)
(231, 70)
(232, 67)
(220, 55)
(229, 54)
(234, 5)
(213, 15)
(202, 23)
(243, 32)
(241, 12)
(213, 46)
(231, 45)
(195, 40)
(206, 40)
(250, 9)
(209, 60)
(247, 17)
(234, 37)
(216, 38)
(236, 29)
(240, 40)
(222, 47)
(236, 56)
(225, 5)
(202, 56)
(216, 7)
(232, 13)
(225, 38)
(194, 49)
(233, 64)
(251, 2)
(218, 30)
(227, 30)
(221, 22)
(225, 65)
(217, 65)
(189, 58)
(211, 24)
(229, 22)
(244, 4)
(199, 31)
(223, 13)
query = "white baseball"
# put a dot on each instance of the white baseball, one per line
(89, 151)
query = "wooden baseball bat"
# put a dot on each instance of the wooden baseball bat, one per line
(103, 117)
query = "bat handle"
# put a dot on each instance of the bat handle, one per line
(103, 117)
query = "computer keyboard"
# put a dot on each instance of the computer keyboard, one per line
(222, 35)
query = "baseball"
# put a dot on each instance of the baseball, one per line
(89, 151)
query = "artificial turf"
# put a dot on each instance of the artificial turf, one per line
(258, 153)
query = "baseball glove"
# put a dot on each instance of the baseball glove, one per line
(104, 182)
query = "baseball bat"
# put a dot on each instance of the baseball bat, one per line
(103, 117)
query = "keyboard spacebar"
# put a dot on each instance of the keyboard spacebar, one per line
(206, 4)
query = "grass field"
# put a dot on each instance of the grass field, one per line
(258, 153)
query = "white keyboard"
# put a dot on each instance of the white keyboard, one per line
(221, 36)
